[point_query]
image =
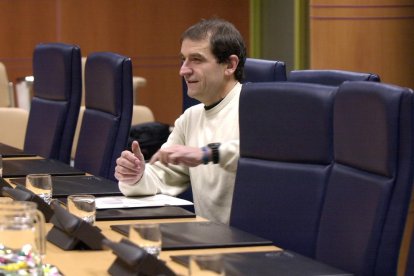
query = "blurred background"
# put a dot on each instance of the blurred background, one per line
(360, 35)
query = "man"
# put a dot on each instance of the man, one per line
(203, 148)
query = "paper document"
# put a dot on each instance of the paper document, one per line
(110, 202)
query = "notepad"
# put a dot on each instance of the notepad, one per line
(199, 235)
(135, 202)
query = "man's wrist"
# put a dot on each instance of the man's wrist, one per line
(205, 158)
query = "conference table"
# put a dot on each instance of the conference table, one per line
(90, 262)
(97, 262)
(183, 233)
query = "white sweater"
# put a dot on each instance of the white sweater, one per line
(212, 184)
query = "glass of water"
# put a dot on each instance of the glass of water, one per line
(147, 236)
(82, 206)
(40, 184)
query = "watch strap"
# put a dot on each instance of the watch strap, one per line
(214, 152)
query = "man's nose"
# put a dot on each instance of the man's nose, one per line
(185, 70)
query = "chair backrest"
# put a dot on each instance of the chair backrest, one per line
(13, 123)
(255, 70)
(55, 106)
(286, 154)
(107, 117)
(141, 114)
(330, 77)
(263, 70)
(369, 188)
(4, 87)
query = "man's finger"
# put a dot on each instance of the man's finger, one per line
(137, 150)
(155, 157)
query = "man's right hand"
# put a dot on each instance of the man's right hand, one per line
(130, 166)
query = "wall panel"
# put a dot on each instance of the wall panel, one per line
(369, 36)
(146, 31)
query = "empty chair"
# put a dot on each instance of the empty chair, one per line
(330, 77)
(255, 70)
(55, 106)
(17, 118)
(107, 116)
(370, 185)
(263, 70)
(286, 154)
(141, 114)
(6, 88)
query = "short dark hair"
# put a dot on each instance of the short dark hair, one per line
(225, 40)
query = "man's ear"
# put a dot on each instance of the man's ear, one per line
(232, 65)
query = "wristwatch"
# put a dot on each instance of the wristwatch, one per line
(214, 152)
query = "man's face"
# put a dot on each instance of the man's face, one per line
(204, 76)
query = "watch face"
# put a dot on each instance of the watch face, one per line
(214, 145)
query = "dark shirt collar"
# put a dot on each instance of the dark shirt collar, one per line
(208, 107)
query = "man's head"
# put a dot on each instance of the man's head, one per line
(213, 54)
(225, 40)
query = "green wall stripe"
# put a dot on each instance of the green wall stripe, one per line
(301, 34)
(255, 46)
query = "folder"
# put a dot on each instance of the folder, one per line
(144, 213)
(79, 184)
(23, 167)
(9, 151)
(199, 235)
(270, 263)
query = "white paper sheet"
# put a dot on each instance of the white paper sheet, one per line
(111, 202)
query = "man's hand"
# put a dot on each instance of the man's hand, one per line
(178, 154)
(130, 166)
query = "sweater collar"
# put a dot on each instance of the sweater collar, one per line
(227, 98)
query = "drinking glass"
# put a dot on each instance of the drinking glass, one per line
(206, 265)
(83, 206)
(147, 236)
(40, 184)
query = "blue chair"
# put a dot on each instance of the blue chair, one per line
(286, 154)
(262, 70)
(108, 111)
(55, 105)
(370, 185)
(330, 77)
(255, 70)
